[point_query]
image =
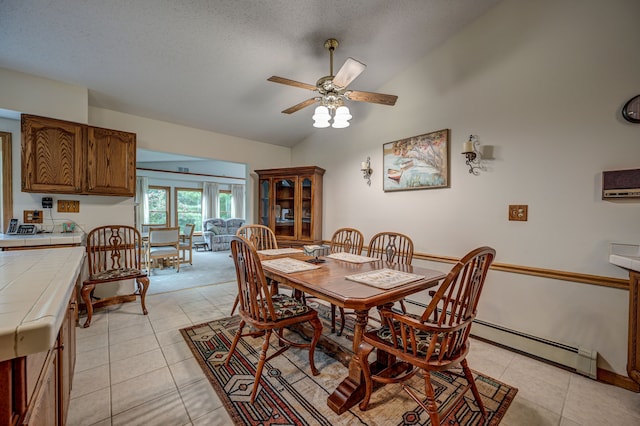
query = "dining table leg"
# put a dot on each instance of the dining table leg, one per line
(352, 389)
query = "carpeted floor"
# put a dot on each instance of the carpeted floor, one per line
(289, 394)
(209, 267)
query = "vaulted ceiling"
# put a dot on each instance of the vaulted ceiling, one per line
(205, 63)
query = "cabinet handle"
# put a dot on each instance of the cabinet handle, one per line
(61, 347)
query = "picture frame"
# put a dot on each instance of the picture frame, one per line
(418, 162)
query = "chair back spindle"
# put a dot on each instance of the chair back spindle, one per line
(261, 237)
(392, 247)
(347, 240)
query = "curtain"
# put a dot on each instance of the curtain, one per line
(237, 198)
(142, 201)
(209, 200)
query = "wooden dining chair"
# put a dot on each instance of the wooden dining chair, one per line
(392, 247)
(261, 238)
(186, 243)
(163, 243)
(114, 253)
(410, 343)
(344, 240)
(264, 312)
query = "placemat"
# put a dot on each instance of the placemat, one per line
(289, 265)
(384, 278)
(353, 258)
(274, 252)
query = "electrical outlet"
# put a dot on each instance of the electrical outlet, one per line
(518, 212)
(33, 216)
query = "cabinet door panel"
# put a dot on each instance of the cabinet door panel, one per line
(306, 208)
(285, 211)
(265, 207)
(51, 155)
(111, 162)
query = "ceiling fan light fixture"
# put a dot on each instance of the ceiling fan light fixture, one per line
(321, 117)
(339, 124)
(343, 113)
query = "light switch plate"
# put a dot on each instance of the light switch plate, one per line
(518, 212)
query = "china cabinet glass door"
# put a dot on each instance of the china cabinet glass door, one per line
(285, 207)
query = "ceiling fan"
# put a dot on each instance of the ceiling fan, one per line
(332, 91)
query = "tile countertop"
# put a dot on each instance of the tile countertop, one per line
(35, 287)
(626, 256)
(44, 239)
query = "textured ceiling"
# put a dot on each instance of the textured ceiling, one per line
(205, 63)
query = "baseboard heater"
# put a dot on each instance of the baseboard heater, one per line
(581, 360)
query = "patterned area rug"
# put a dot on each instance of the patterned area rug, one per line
(290, 395)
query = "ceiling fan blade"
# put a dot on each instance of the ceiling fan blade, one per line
(376, 98)
(294, 83)
(299, 106)
(349, 71)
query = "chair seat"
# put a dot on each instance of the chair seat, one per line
(288, 307)
(169, 250)
(422, 338)
(116, 275)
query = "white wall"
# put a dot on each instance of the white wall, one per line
(35, 95)
(542, 83)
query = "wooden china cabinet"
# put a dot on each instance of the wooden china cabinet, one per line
(71, 158)
(290, 203)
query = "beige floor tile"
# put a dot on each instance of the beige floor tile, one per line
(523, 412)
(170, 323)
(91, 342)
(200, 398)
(169, 337)
(566, 422)
(118, 320)
(177, 352)
(140, 390)
(550, 374)
(205, 315)
(134, 347)
(135, 331)
(593, 403)
(88, 381)
(137, 365)
(536, 390)
(196, 305)
(90, 408)
(186, 372)
(87, 360)
(99, 325)
(166, 410)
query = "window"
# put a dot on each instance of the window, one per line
(224, 204)
(189, 207)
(158, 205)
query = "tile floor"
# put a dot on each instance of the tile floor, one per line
(137, 370)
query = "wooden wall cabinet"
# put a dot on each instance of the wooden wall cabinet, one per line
(70, 158)
(290, 203)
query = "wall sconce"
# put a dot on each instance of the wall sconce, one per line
(366, 170)
(472, 154)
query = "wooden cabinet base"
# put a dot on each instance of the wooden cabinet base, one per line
(35, 389)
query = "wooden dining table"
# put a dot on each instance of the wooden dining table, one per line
(329, 283)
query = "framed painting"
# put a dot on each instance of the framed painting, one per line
(418, 162)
